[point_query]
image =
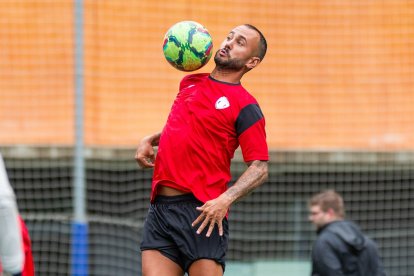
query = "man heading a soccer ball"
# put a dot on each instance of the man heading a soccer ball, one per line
(186, 229)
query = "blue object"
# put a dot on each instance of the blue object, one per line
(79, 249)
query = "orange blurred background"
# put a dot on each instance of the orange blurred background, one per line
(337, 75)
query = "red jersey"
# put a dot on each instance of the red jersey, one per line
(28, 268)
(208, 121)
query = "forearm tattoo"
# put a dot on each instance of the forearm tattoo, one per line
(253, 177)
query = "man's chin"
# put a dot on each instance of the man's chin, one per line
(227, 65)
(318, 226)
(219, 61)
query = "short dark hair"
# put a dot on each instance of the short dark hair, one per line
(262, 43)
(329, 199)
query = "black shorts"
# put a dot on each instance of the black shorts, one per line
(168, 229)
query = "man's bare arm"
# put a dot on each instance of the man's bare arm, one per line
(213, 211)
(255, 175)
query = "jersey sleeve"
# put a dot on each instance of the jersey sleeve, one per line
(184, 82)
(191, 79)
(250, 128)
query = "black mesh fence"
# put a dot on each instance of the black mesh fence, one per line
(269, 224)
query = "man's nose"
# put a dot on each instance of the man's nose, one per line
(229, 44)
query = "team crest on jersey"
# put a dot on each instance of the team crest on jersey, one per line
(222, 103)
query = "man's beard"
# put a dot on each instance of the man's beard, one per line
(229, 64)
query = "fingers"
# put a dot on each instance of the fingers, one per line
(144, 157)
(144, 162)
(203, 225)
(220, 227)
(210, 228)
(198, 219)
(210, 223)
(207, 222)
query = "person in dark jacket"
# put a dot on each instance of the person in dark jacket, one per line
(341, 248)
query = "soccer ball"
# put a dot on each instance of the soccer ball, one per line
(187, 46)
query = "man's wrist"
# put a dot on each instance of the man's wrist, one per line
(151, 139)
(228, 199)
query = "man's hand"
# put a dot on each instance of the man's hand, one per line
(212, 213)
(145, 155)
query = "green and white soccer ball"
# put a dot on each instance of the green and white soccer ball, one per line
(187, 46)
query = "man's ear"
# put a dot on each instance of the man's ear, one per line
(331, 212)
(253, 62)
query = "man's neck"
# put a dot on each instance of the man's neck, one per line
(226, 75)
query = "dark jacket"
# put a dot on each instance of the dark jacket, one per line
(342, 249)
